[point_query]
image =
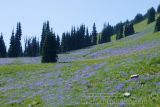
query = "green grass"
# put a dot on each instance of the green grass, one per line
(116, 70)
(25, 68)
(140, 26)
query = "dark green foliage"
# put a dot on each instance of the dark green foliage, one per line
(129, 29)
(49, 49)
(82, 37)
(107, 32)
(63, 43)
(3, 52)
(126, 22)
(18, 36)
(58, 44)
(151, 15)
(87, 41)
(43, 36)
(12, 47)
(138, 18)
(119, 31)
(94, 35)
(76, 39)
(15, 49)
(157, 26)
(32, 48)
(158, 9)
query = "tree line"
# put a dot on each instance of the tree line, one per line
(78, 38)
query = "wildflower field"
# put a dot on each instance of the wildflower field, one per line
(97, 76)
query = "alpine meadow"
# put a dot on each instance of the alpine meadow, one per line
(118, 66)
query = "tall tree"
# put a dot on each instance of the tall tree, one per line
(157, 26)
(94, 35)
(82, 36)
(49, 50)
(87, 38)
(158, 9)
(129, 29)
(58, 43)
(17, 41)
(43, 36)
(119, 31)
(151, 15)
(31, 47)
(138, 18)
(12, 47)
(107, 32)
(63, 43)
(3, 52)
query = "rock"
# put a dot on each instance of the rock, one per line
(134, 76)
(126, 94)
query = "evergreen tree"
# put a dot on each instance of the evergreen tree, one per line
(151, 15)
(58, 43)
(63, 43)
(12, 47)
(119, 31)
(49, 51)
(94, 35)
(158, 9)
(138, 18)
(99, 39)
(129, 29)
(81, 36)
(18, 36)
(157, 26)
(67, 41)
(73, 38)
(31, 47)
(87, 38)
(3, 52)
(132, 31)
(43, 36)
(107, 32)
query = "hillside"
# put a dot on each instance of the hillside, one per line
(95, 76)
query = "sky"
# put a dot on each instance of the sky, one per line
(63, 14)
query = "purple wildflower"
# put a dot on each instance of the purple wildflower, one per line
(120, 86)
(122, 104)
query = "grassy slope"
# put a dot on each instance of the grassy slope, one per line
(95, 73)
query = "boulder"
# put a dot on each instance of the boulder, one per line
(126, 94)
(134, 76)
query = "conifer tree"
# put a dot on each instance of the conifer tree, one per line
(32, 47)
(58, 43)
(158, 9)
(12, 47)
(107, 32)
(157, 26)
(94, 35)
(49, 50)
(43, 36)
(119, 31)
(18, 46)
(63, 46)
(87, 39)
(3, 52)
(129, 29)
(151, 15)
(138, 18)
